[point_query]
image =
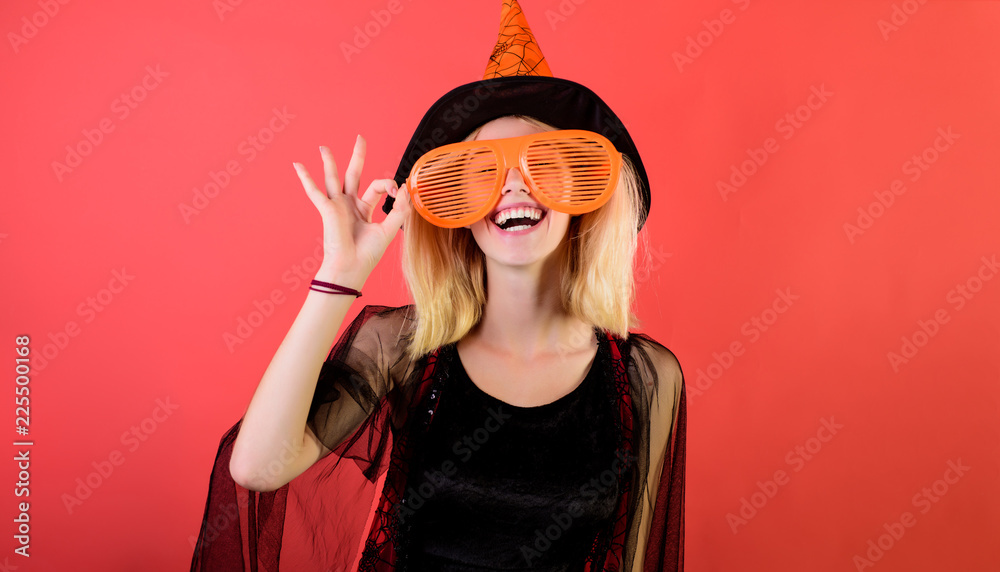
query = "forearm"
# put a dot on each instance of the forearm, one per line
(270, 442)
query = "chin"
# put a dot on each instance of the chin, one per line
(522, 249)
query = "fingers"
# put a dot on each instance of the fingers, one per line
(330, 171)
(312, 191)
(371, 198)
(400, 210)
(352, 178)
(377, 187)
(364, 205)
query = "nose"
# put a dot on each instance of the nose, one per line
(514, 182)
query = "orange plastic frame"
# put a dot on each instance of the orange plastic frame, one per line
(569, 170)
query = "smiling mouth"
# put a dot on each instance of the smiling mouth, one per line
(518, 219)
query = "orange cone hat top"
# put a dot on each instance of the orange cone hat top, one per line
(517, 52)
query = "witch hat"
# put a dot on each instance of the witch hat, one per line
(518, 81)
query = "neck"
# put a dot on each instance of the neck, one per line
(524, 316)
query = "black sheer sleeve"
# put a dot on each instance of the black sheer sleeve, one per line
(352, 410)
(656, 532)
(316, 522)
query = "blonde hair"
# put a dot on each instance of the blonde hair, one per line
(445, 269)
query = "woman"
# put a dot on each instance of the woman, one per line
(516, 423)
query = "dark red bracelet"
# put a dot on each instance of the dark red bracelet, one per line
(333, 288)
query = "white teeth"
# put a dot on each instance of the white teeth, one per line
(520, 212)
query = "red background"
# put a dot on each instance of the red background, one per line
(717, 263)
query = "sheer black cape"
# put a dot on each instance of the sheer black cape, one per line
(370, 406)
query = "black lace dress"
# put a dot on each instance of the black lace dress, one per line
(501, 487)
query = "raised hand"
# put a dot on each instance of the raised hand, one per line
(352, 243)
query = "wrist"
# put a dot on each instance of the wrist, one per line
(351, 278)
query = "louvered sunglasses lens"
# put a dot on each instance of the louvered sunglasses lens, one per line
(574, 174)
(453, 189)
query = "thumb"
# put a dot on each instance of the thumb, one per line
(400, 209)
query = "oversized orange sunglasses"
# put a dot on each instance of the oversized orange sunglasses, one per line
(569, 170)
